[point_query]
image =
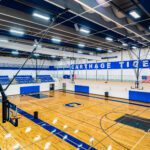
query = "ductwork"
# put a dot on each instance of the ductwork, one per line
(140, 28)
(129, 21)
(118, 13)
(100, 2)
(103, 1)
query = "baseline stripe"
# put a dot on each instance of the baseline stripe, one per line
(69, 139)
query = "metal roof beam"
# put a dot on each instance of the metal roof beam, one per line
(30, 21)
(108, 14)
(96, 17)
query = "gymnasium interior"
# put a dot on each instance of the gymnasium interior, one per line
(74, 75)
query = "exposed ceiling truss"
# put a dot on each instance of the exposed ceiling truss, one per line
(106, 18)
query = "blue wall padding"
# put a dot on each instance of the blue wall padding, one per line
(139, 96)
(29, 89)
(82, 89)
(65, 76)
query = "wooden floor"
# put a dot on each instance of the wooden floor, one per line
(92, 122)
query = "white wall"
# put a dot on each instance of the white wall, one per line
(15, 89)
(119, 90)
(15, 60)
(111, 74)
(96, 88)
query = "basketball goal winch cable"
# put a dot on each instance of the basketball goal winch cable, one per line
(5, 101)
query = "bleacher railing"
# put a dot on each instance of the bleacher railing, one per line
(123, 78)
(6, 65)
(25, 79)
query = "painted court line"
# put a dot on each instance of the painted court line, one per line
(138, 142)
(64, 136)
(105, 99)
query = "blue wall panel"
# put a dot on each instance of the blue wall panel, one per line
(65, 76)
(139, 96)
(29, 89)
(82, 89)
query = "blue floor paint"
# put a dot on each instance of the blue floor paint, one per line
(135, 121)
(66, 137)
(73, 104)
(38, 95)
(109, 99)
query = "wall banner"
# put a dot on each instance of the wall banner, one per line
(132, 64)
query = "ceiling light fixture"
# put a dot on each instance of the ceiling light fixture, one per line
(18, 32)
(36, 55)
(134, 14)
(56, 40)
(41, 16)
(109, 39)
(134, 47)
(84, 30)
(4, 40)
(110, 51)
(81, 45)
(124, 44)
(15, 52)
(80, 52)
(99, 49)
(53, 56)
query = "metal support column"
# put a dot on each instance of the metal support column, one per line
(36, 69)
(107, 72)
(96, 70)
(86, 70)
(121, 68)
(137, 84)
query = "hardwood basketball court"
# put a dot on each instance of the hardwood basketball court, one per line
(92, 122)
(74, 75)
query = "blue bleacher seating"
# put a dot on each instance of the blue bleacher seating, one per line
(4, 80)
(45, 78)
(23, 79)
